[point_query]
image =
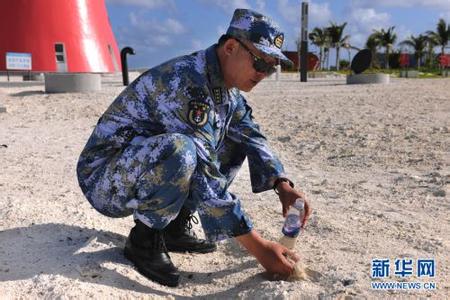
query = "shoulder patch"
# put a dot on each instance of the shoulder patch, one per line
(197, 93)
(217, 93)
(198, 113)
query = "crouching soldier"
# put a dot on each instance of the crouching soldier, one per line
(171, 144)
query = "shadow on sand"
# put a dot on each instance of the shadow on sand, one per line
(57, 249)
(54, 249)
(27, 93)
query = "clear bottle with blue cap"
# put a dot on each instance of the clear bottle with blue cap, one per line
(293, 223)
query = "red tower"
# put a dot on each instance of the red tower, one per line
(60, 35)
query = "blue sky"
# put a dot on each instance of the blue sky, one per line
(161, 29)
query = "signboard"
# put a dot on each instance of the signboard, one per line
(18, 61)
(404, 60)
(444, 60)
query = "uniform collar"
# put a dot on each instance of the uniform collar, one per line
(215, 76)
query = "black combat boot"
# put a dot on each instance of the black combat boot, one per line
(146, 249)
(180, 238)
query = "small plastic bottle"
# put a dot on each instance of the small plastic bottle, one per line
(293, 223)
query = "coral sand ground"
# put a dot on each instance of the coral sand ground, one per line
(374, 161)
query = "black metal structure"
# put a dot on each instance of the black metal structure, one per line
(304, 44)
(123, 59)
(361, 61)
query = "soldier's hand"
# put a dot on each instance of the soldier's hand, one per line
(288, 195)
(272, 256)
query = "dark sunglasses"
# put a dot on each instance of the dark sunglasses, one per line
(259, 64)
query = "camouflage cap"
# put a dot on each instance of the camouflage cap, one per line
(261, 30)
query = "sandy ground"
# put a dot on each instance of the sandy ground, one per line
(374, 161)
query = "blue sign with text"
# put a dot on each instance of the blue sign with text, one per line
(18, 61)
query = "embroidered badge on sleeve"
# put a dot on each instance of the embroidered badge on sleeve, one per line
(198, 113)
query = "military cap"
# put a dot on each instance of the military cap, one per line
(260, 30)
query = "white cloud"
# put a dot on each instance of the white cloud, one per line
(289, 10)
(221, 30)
(362, 23)
(159, 40)
(443, 6)
(227, 5)
(197, 44)
(365, 17)
(149, 35)
(169, 26)
(437, 4)
(260, 5)
(149, 4)
(133, 19)
(174, 26)
(318, 13)
(191, 46)
(445, 15)
(369, 19)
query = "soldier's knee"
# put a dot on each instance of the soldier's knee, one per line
(184, 151)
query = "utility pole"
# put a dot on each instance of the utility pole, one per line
(304, 43)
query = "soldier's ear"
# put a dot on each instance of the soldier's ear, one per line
(230, 47)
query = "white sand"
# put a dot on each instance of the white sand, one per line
(374, 161)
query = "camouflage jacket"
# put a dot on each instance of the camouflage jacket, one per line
(187, 95)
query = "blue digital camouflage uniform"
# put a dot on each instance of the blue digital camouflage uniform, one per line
(177, 136)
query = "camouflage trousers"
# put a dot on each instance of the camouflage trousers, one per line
(152, 179)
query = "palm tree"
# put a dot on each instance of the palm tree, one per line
(327, 57)
(442, 34)
(372, 44)
(431, 43)
(335, 33)
(418, 44)
(387, 40)
(320, 38)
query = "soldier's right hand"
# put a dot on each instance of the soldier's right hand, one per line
(274, 258)
(271, 255)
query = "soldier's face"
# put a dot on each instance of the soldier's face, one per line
(241, 72)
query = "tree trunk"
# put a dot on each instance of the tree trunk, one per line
(371, 61)
(337, 58)
(430, 57)
(328, 60)
(387, 58)
(374, 61)
(321, 58)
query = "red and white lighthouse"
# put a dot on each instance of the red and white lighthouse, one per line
(59, 36)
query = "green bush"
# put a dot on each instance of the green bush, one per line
(344, 64)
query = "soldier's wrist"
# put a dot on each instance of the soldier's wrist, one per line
(280, 183)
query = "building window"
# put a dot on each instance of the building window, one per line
(59, 48)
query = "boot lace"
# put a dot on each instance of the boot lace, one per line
(189, 220)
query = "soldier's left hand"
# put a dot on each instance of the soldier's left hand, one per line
(288, 195)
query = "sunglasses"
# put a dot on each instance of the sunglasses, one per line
(259, 64)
